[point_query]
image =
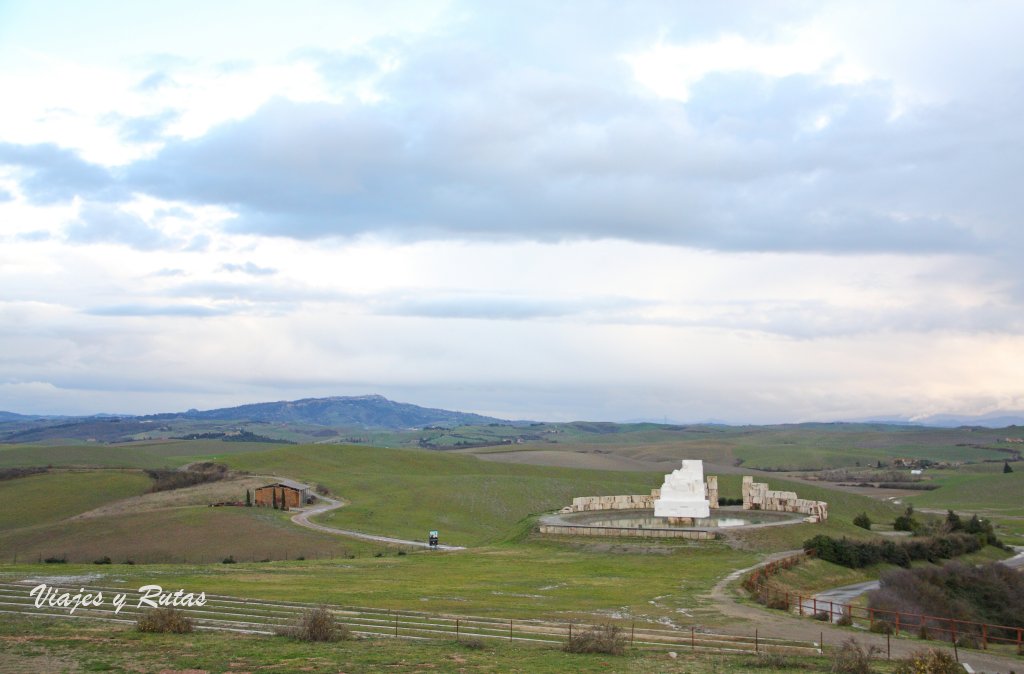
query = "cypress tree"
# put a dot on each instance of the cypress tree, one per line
(248, 499)
(1006, 467)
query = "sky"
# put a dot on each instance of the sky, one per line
(749, 212)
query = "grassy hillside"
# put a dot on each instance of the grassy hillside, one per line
(50, 497)
(152, 454)
(541, 579)
(993, 492)
(188, 534)
(34, 645)
(406, 493)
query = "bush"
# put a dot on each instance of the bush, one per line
(606, 638)
(852, 658)
(56, 560)
(845, 620)
(863, 521)
(882, 627)
(130, 561)
(931, 661)
(13, 473)
(993, 593)
(771, 661)
(857, 554)
(197, 473)
(230, 559)
(102, 560)
(473, 643)
(166, 619)
(316, 624)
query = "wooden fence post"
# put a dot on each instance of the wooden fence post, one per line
(456, 629)
(757, 647)
(510, 630)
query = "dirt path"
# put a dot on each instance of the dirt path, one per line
(785, 626)
(302, 519)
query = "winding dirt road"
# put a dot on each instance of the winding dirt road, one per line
(302, 519)
(786, 626)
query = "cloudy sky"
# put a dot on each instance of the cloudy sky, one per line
(749, 212)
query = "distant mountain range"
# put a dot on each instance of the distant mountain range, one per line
(1000, 419)
(325, 419)
(371, 411)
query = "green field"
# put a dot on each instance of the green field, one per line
(156, 454)
(50, 497)
(406, 493)
(39, 645)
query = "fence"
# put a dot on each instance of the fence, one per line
(252, 616)
(956, 631)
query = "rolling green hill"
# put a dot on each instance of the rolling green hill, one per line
(51, 497)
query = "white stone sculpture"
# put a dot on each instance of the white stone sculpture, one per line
(682, 494)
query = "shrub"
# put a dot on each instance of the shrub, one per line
(197, 473)
(606, 638)
(845, 620)
(857, 554)
(932, 661)
(771, 661)
(56, 560)
(882, 627)
(316, 624)
(992, 593)
(129, 561)
(852, 658)
(230, 559)
(13, 473)
(102, 560)
(473, 643)
(823, 616)
(863, 521)
(166, 619)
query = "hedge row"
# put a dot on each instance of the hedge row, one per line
(857, 554)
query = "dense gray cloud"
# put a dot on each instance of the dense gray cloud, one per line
(541, 133)
(54, 174)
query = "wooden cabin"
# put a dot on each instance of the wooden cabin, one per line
(289, 493)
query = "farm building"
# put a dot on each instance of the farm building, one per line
(287, 492)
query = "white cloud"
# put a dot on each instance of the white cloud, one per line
(484, 207)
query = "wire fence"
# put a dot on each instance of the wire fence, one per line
(253, 616)
(965, 633)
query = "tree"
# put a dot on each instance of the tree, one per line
(953, 521)
(1006, 467)
(248, 499)
(906, 521)
(863, 521)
